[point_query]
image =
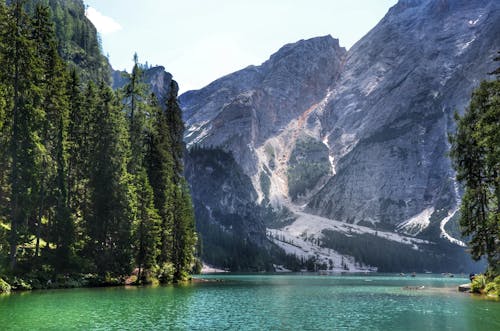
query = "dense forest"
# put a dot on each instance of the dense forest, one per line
(91, 179)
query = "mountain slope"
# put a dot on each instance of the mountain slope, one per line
(359, 136)
(242, 111)
(393, 108)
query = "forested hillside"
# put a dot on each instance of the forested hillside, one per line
(91, 179)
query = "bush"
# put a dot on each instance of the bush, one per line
(166, 273)
(20, 285)
(4, 286)
(478, 284)
(493, 288)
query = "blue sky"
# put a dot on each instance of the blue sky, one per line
(199, 41)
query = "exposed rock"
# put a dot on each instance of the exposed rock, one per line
(159, 81)
(465, 287)
(241, 111)
(392, 109)
(382, 111)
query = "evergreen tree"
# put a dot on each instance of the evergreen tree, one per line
(160, 165)
(145, 228)
(176, 129)
(172, 199)
(145, 224)
(476, 157)
(53, 186)
(22, 72)
(184, 235)
(109, 224)
(4, 118)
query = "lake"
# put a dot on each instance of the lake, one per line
(259, 302)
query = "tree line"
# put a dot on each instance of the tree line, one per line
(91, 179)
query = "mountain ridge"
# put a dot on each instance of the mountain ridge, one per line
(362, 136)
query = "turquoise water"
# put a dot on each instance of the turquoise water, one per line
(258, 302)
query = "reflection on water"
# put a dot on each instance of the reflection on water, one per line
(255, 302)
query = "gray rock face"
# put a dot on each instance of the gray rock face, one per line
(357, 137)
(383, 110)
(392, 108)
(159, 81)
(239, 112)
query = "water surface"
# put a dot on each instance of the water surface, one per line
(259, 302)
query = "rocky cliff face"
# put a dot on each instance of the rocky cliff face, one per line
(358, 137)
(159, 80)
(243, 111)
(388, 117)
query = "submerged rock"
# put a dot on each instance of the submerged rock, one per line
(465, 287)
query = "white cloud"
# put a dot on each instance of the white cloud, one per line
(104, 24)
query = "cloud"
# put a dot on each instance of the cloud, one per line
(104, 24)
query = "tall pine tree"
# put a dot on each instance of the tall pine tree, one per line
(109, 224)
(22, 73)
(476, 157)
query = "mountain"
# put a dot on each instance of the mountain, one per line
(388, 118)
(353, 143)
(257, 103)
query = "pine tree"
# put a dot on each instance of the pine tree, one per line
(145, 216)
(4, 118)
(176, 129)
(184, 235)
(109, 224)
(22, 72)
(53, 186)
(76, 131)
(102, 187)
(145, 228)
(172, 199)
(476, 157)
(160, 164)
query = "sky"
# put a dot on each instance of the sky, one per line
(198, 41)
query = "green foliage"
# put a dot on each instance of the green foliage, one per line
(109, 225)
(4, 286)
(171, 193)
(486, 285)
(197, 266)
(476, 157)
(165, 273)
(77, 39)
(478, 284)
(90, 179)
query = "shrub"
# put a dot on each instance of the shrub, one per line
(4, 286)
(166, 273)
(478, 284)
(493, 288)
(20, 285)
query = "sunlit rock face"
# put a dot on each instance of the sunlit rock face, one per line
(382, 110)
(392, 109)
(242, 110)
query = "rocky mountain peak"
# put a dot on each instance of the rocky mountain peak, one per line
(296, 51)
(258, 102)
(358, 137)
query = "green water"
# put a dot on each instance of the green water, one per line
(258, 302)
